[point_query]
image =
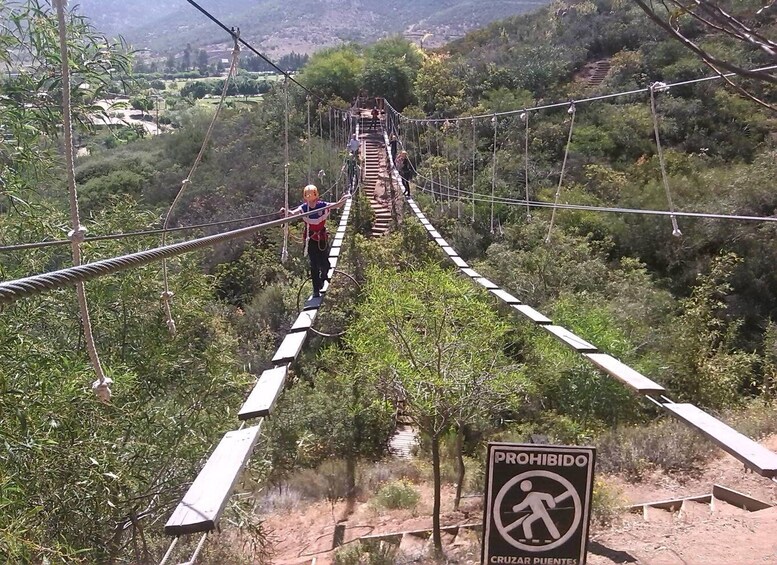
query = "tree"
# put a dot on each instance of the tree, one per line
(202, 61)
(745, 23)
(390, 69)
(438, 349)
(334, 72)
(142, 103)
(440, 92)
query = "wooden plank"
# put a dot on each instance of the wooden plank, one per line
(753, 455)
(267, 390)
(434, 233)
(450, 251)
(532, 314)
(333, 263)
(625, 374)
(471, 273)
(335, 252)
(568, 338)
(203, 503)
(486, 283)
(304, 320)
(290, 347)
(738, 499)
(504, 296)
(459, 262)
(441, 242)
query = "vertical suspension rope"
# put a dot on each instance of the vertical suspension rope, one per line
(285, 248)
(458, 169)
(493, 173)
(167, 296)
(474, 154)
(570, 111)
(525, 118)
(101, 386)
(310, 145)
(664, 177)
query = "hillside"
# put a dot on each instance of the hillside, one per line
(302, 26)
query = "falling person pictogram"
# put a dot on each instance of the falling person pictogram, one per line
(538, 503)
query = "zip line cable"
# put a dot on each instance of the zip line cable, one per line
(580, 101)
(102, 386)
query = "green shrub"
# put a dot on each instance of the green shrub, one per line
(396, 495)
(367, 553)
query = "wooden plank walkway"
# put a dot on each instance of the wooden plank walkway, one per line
(203, 503)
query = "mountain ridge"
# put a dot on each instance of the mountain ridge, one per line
(165, 26)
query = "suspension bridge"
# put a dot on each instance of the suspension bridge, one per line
(201, 508)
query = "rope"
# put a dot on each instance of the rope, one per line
(310, 145)
(474, 156)
(563, 170)
(167, 296)
(664, 177)
(285, 249)
(11, 291)
(196, 553)
(493, 173)
(525, 118)
(169, 551)
(101, 386)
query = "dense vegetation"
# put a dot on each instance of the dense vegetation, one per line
(80, 480)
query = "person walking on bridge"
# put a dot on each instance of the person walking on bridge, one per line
(315, 236)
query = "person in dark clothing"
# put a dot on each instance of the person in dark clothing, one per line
(394, 145)
(315, 235)
(405, 169)
(375, 115)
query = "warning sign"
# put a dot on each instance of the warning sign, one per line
(538, 504)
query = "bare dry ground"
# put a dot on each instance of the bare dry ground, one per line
(699, 535)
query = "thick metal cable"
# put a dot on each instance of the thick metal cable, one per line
(101, 386)
(563, 170)
(664, 177)
(11, 291)
(167, 296)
